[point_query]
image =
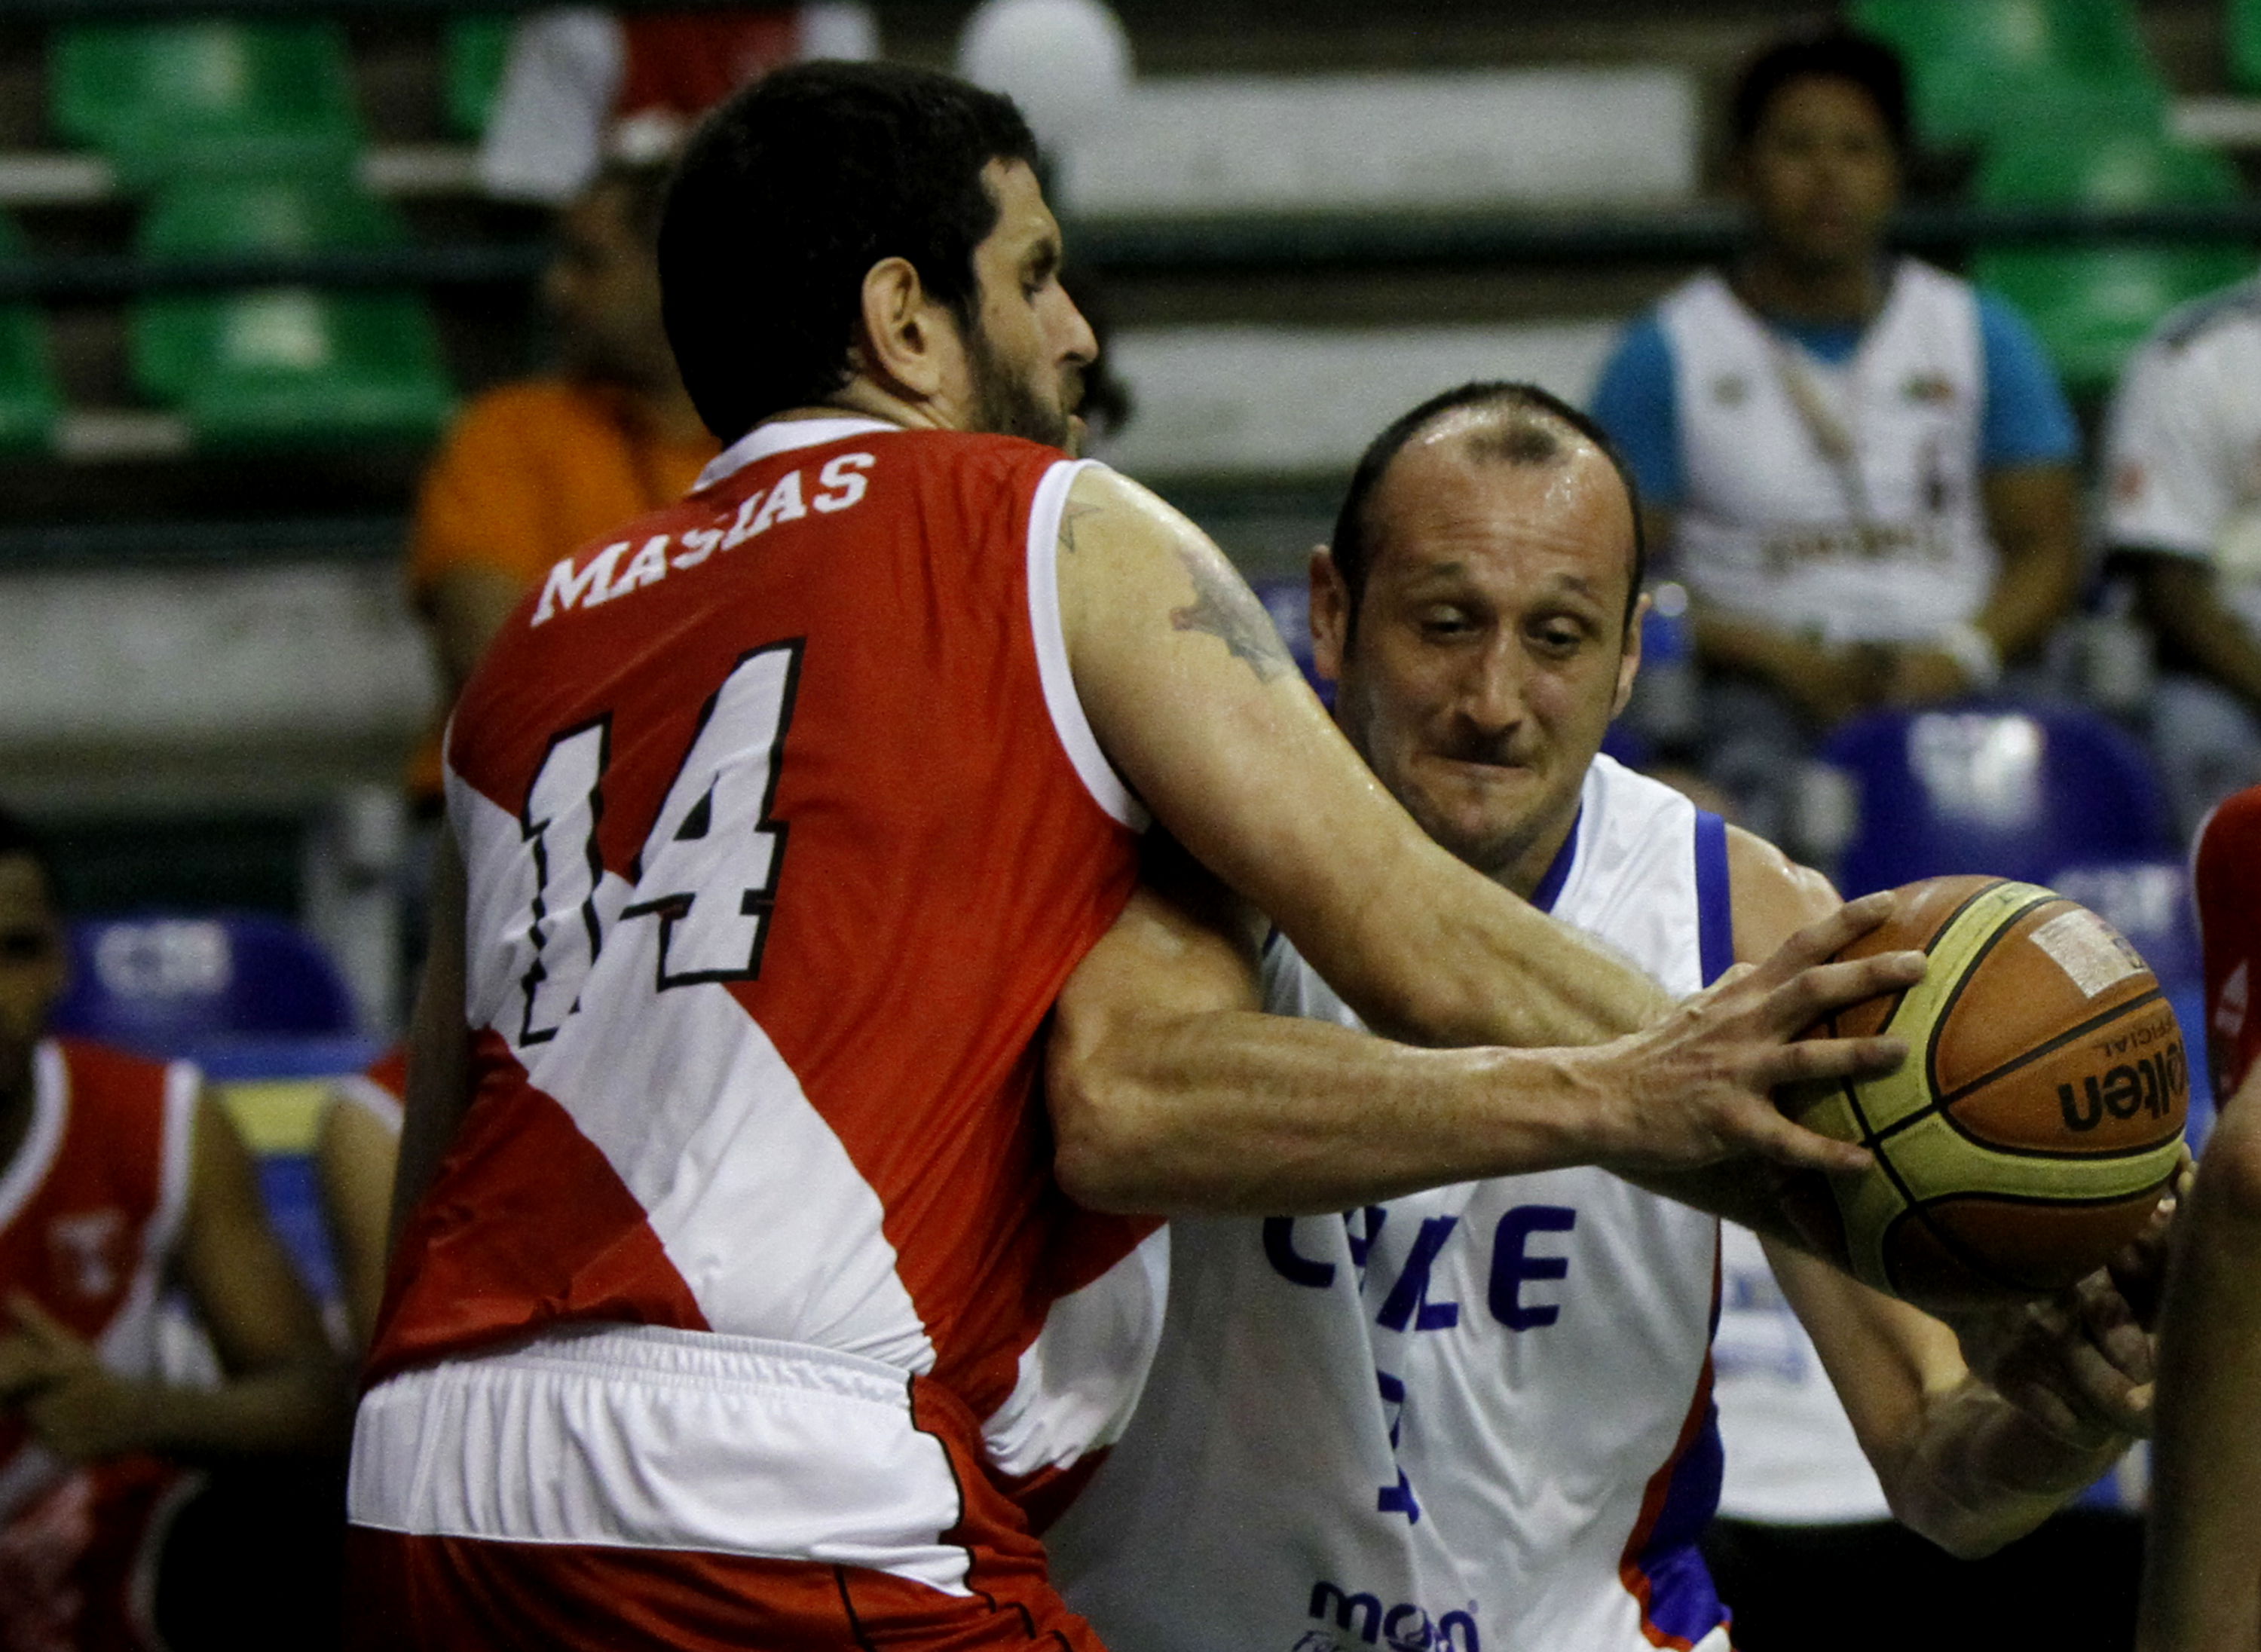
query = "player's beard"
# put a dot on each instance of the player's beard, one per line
(1006, 403)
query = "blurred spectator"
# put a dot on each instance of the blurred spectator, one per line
(122, 1175)
(353, 1161)
(1863, 468)
(2183, 517)
(533, 471)
(584, 83)
(1065, 62)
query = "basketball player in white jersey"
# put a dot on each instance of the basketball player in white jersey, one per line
(1481, 1416)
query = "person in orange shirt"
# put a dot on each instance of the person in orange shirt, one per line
(534, 469)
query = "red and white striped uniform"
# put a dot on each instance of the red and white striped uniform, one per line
(783, 828)
(90, 1208)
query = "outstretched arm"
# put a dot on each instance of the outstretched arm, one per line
(1170, 1092)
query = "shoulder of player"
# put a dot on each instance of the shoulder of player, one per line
(1111, 502)
(1772, 897)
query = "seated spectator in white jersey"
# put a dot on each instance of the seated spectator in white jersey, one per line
(1481, 1416)
(123, 1177)
(1861, 467)
(2183, 517)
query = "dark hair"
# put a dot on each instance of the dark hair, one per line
(640, 188)
(19, 841)
(1526, 441)
(787, 197)
(1834, 54)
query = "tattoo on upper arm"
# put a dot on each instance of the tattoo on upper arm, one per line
(1068, 520)
(1229, 611)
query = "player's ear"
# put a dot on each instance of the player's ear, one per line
(1330, 616)
(901, 342)
(1629, 662)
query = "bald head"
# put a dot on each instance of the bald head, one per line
(1485, 423)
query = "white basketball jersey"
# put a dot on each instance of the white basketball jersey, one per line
(1478, 1417)
(2184, 449)
(1881, 540)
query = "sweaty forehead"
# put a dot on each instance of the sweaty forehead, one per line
(1451, 497)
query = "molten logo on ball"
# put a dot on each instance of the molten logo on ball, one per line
(2154, 1086)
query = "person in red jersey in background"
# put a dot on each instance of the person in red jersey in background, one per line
(2202, 1561)
(736, 1300)
(121, 1176)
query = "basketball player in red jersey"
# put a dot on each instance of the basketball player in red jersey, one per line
(120, 1174)
(2203, 1560)
(738, 1303)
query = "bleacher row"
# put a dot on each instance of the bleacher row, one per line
(240, 139)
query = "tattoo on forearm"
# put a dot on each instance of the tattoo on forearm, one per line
(1227, 610)
(1068, 520)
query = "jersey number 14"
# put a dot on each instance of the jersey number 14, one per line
(707, 874)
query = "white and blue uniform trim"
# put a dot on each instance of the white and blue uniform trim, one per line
(1476, 1416)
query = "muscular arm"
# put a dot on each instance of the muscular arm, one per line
(1200, 708)
(1957, 1461)
(439, 1048)
(1170, 1093)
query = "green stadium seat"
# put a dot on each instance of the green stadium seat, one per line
(162, 100)
(2092, 304)
(1973, 64)
(285, 366)
(2242, 25)
(28, 399)
(474, 53)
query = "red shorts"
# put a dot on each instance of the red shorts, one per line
(449, 1594)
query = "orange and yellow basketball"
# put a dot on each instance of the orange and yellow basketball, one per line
(2039, 1115)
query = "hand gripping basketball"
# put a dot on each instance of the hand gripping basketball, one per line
(1699, 1086)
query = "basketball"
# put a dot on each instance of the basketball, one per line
(2038, 1115)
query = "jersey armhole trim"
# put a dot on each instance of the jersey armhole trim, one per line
(1715, 913)
(1069, 723)
(359, 1091)
(184, 1085)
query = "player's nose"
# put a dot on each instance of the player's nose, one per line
(1491, 690)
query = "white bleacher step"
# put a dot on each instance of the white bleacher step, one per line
(51, 177)
(1236, 143)
(1226, 402)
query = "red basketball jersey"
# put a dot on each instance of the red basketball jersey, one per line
(91, 1207)
(783, 829)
